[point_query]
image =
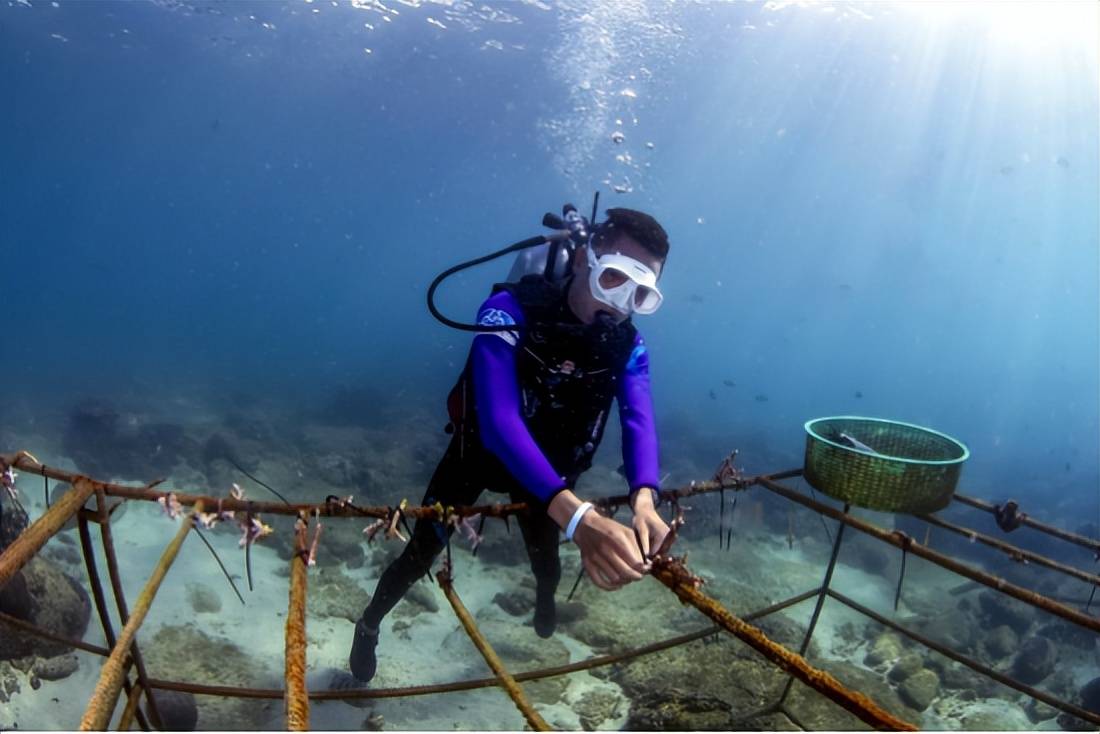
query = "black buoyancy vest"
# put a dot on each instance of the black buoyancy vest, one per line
(568, 376)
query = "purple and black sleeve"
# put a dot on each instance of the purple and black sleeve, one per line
(636, 419)
(496, 389)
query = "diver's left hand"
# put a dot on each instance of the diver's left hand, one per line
(648, 525)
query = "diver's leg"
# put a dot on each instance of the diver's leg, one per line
(541, 536)
(451, 484)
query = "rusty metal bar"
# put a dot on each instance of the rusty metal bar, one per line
(1017, 554)
(31, 540)
(1081, 540)
(675, 576)
(131, 708)
(904, 542)
(45, 634)
(974, 665)
(297, 697)
(468, 685)
(98, 596)
(102, 703)
(534, 720)
(107, 538)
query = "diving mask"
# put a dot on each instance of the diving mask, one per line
(623, 283)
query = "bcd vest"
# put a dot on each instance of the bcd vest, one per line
(568, 376)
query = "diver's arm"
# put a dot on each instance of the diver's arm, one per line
(636, 418)
(496, 390)
(640, 447)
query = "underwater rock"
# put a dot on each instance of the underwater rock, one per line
(953, 627)
(919, 689)
(514, 603)
(1035, 660)
(1001, 642)
(906, 666)
(724, 669)
(1000, 609)
(519, 648)
(13, 521)
(185, 653)
(1090, 695)
(597, 706)
(203, 599)
(501, 548)
(867, 554)
(884, 650)
(614, 621)
(332, 593)
(57, 603)
(56, 668)
(423, 596)
(677, 710)
(571, 612)
(103, 445)
(178, 710)
(341, 542)
(15, 599)
(1037, 711)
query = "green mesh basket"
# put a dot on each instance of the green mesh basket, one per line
(882, 465)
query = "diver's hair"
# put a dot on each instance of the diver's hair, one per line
(639, 225)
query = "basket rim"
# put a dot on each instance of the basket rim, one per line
(923, 462)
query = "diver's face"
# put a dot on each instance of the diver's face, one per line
(581, 301)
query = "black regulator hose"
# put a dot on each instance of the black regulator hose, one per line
(522, 245)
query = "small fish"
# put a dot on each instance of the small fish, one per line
(713, 395)
(859, 393)
(729, 383)
(1062, 161)
(844, 287)
(761, 398)
(1007, 170)
(1068, 468)
(695, 298)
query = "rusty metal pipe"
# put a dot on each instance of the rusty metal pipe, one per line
(131, 708)
(100, 599)
(31, 540)
(672, 574)
(1014, 552)
(102, 703)
(108, 540)
(297, 696)
(1081, 540)
(912, 546)
(36, 631)
(509, 684)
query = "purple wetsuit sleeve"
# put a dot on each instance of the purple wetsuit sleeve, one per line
(496, 390)
(636, 418)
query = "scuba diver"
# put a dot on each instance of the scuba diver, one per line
(528, 412)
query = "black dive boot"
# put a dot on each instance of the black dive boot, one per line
(362, 660)
(546, 613)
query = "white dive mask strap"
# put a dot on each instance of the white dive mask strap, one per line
(623, 283)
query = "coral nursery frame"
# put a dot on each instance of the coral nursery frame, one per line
(124, 657)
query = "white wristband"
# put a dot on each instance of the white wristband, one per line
(576, 519)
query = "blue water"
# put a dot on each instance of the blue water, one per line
(233, 198)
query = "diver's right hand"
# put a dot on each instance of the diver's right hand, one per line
(609, 550)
